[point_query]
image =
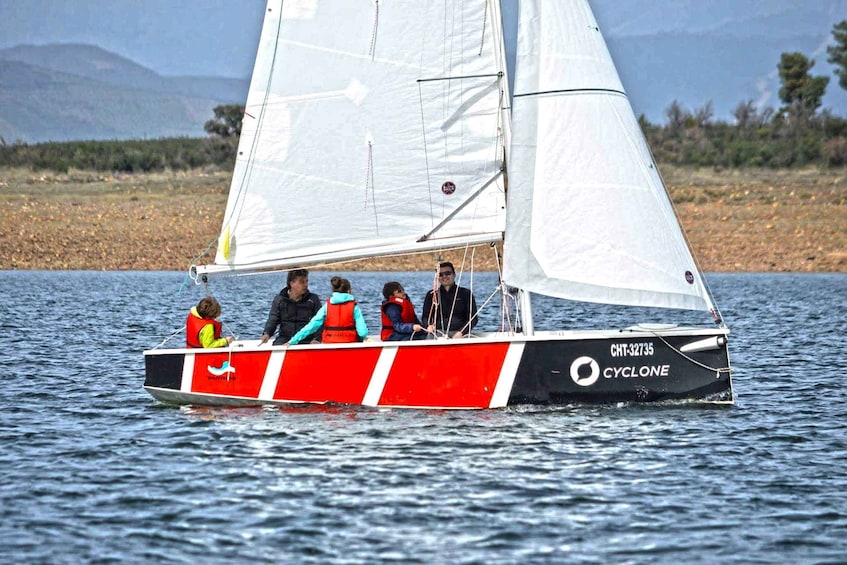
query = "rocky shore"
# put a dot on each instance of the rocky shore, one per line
(736, 220)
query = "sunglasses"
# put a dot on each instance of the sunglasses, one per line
(445, 273)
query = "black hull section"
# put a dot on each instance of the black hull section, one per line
(620, 370)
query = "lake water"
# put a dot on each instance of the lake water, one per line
(94, 470)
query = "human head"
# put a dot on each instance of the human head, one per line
(390, 288)
(446, 273)
(340, 285)
(208, 307)
(296, 274)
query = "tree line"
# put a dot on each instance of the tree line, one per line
(796, 134)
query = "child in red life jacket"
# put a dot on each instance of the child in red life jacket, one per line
(201, 327)
(340, 316)
(399, 321)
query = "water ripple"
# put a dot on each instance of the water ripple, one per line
(96, 471)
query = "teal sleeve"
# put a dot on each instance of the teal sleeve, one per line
(361, 326)
(316, 322)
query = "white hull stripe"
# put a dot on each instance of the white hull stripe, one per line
(380, 376)
(187, 373)
(272, 375)
(503, 390)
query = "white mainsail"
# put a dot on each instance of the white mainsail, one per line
(588, 215)
(370, 128)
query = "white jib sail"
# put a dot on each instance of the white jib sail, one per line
(371, 128)
(588, 216)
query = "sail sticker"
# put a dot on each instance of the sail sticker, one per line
(448, 188)
(222, 370)
(689, 277)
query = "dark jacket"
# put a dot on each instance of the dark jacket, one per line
(464, 310)
(291, 316)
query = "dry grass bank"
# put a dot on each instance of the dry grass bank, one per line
(738, 220)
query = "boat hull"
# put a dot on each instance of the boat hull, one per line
(484, 372)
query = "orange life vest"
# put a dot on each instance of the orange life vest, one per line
(407, 315)
(340, 326)
(193, 325)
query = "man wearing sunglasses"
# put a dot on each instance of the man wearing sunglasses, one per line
(452, 308)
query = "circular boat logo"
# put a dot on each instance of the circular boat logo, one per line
(689, 276)
(585, 379)
(448, 188)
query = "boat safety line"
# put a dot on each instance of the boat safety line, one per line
(718, 370)
(170, 337)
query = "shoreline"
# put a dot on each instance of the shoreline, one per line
(739, 220)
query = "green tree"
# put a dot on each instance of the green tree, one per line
(838, 52)
(801, 93)
(227, 121)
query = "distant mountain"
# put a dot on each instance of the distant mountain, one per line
(723, 51)
(65, 92)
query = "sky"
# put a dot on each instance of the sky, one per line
(219, 37)
(171, 37)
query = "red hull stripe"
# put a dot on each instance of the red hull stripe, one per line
(455, 376)
(326, 374)
(230, 374)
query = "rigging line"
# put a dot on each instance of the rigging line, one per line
(478, 310)
(369, 183)
(570, 91)
(456, 295)
(433, 308)
(484, 25)
(426, 155)
(372, 51)
(232, 333)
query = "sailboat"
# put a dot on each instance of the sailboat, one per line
(389, 127)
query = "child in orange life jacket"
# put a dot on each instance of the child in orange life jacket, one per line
(341, 317)
(399, 321)
(201, 327)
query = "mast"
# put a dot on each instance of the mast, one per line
(499, 35)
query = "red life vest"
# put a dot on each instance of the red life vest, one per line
(340, 326)
(193, 325)
(407, 315)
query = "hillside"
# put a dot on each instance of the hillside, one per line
(741, 220)
(64, 92)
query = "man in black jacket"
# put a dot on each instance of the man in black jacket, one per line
(292, 309)
(453, 309)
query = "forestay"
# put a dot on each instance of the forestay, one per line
(378, 135)
(589, 217)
